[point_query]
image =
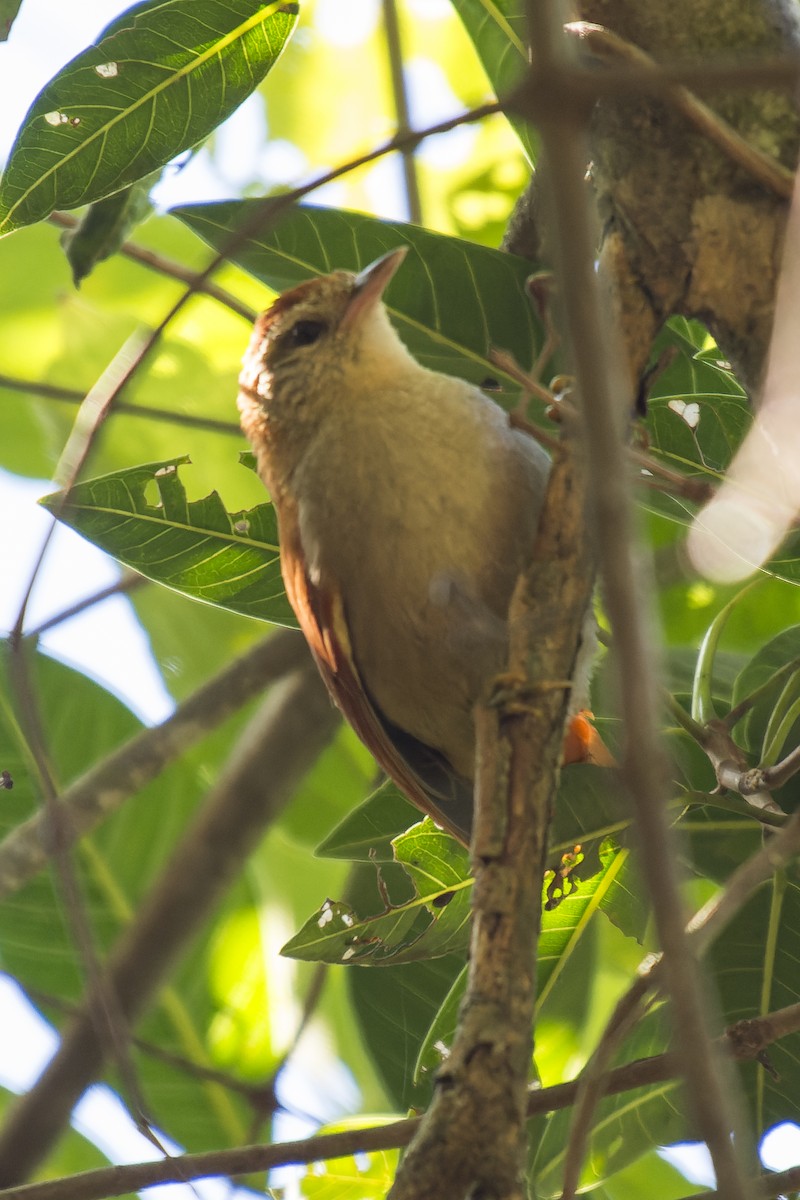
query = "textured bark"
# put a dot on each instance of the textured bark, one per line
(686, 230)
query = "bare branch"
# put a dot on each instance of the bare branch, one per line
(128, 582)
(400, 95)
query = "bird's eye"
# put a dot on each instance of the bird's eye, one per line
(305, 333)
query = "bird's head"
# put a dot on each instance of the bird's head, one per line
(318, 334)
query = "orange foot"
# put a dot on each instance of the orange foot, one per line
(583, 744)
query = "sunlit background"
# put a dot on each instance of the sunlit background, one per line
(462, 188)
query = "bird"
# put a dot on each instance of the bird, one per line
(407, 507)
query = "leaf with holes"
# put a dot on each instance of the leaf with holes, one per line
(562, 929)
(162, 77)
(492, 308)
(143, 517)
(433, 922)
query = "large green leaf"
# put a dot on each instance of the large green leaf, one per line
(698, 415)
(193, 546)
(755, 966)
(160, 80)
(394, 1008)
(772, 725)
(452, 300)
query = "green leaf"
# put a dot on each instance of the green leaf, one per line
(366, 1176)
(8, 11)
(432, 922)
(561, 931)
(104, 227)
(755, 967)
(697, 413)
(498, 30)
(624, 1126)
(767, 673)
(491, 310)
(192, 546)
(160, 80)
(366, 833)
(649, 1175)
(394, 1008)
(115, 867)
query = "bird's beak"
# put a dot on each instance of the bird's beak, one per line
(370, 285)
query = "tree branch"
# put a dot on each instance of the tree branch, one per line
(166, 266)
(744, 1045)
(65, 395)
(606, 399)
(275, 751)
(85, 803)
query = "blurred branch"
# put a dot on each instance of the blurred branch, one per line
(706, 925)
(166, 266)
(104, 787)
(115, 1181)
(276, 749)
(400, 95)
(128, 582)
(606, 400)
(103, 1008)
(779, 1183)
(66, 395)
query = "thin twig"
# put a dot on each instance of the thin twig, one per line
(401, 108)
(115, 1181)
(584, 87)
(66, 395)
(102, 1006)
(128, 582)
(166, 266)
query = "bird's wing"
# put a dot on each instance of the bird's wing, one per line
(418, 770)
